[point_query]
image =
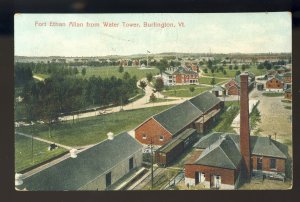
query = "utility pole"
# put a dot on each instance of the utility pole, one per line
(151, 146)
(32, 148)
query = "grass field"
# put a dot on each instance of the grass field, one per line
(231, 73)
(272, 94)
(205, 80)
(23, 152)
(225, 120)
(110, 71)
(184, 91)
(94, 129)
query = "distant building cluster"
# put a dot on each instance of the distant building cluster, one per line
(180, 76)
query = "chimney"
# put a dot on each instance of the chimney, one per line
(270, 139)
(244, 125)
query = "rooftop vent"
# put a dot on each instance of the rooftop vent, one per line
(73, 153)
(110, 136)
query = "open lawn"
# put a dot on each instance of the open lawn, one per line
(206, 80)
(94, 129)
(231, 73)
(109, 71)
(184, 91)
(23, 152)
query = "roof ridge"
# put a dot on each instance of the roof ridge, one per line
(226, 155)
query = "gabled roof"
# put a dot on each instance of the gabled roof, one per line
(262, 146)
(222, 153)
(182, 70)
(71, 174)
(176, 118)
(205, 101)
(218, 88)
(177, 140)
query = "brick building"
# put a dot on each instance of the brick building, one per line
(275, 83)
(97, 168)
(223, 159)
(198, 112)
(233, 86)
(288, 94)
(180, 76)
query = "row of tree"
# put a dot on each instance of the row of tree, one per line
(49, 68)
(47, 100)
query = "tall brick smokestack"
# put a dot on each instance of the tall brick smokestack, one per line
(244, 125)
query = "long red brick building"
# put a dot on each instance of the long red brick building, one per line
(198, 113)
(224, 160)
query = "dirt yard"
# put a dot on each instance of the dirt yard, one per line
(276, 120)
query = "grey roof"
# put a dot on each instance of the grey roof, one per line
(222, 153)
(71, 174)
(262, 146)
(178, 70)
(177, 140)
(218, 88)
(176, 118)
(259, 145)
(207, 140)
(205, 101)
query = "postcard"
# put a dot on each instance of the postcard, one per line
(153, 101)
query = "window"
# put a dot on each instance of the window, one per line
(144, 136)
(272, 163)
(130, 163)
(108, 179)
(161, 137)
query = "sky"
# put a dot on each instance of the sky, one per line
(202, 33)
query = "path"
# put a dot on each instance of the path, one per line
(138, 104)
(38, 78)
(43, 140)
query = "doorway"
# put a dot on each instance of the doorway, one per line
(259, 164)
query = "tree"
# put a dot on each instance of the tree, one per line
(237, 73)
(243, 67)
(192, 89)
(236, 67)
(159, 85)
(224, 72)
(209, 64)
(142, 85)
(121, 69)
(205, 70)
(149, 77)
(224, 63)
(213, 81)
(75, 70)
(152, 98)
(126, 76)
(83, 72)
(230, 67)
(162, 65)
